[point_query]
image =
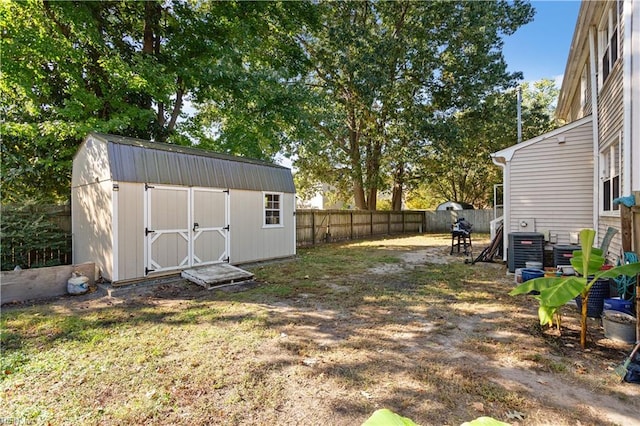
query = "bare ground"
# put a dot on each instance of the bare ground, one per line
(337, 353)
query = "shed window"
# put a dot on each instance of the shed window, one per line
(272, 209)
(608, 40)
(610, 176)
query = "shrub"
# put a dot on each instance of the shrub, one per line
(28, 238)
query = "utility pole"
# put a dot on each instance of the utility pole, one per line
(519, 107)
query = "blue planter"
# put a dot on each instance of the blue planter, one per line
(530, 273)
(599, 291)
(618, 304)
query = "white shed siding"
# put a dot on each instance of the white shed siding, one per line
(109, 216)
(250, 241)
(91, 163)
(552, 183)
(130, 252)
(92, 225)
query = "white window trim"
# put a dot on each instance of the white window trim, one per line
(610, 22)
(617, 140)
(280, 210)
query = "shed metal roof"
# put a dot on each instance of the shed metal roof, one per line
(137, 160)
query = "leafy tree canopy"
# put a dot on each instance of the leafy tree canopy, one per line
(389, 74)
(129, 68)
(362, 95)
(456, 165)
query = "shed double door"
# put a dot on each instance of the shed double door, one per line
(185, 227)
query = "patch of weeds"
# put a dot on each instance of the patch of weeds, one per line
(352, 374)
(259, 386)
(327, 260)
(11, 362)
(195, 313)
(275, 290)
(301, 348)
(9, 338)
(483, 344)
(547, 364)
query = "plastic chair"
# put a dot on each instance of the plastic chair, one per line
(604, 246)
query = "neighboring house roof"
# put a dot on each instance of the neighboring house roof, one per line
(507, 153)
(137, 160)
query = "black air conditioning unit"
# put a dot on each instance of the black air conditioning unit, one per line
(562, 254)
(524, 247)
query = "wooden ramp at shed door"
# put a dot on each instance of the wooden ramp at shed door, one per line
(217, 275)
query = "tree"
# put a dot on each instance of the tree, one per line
(383, 69)
(129, 68)
(456, 165)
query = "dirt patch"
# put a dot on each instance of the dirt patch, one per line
(333, 336)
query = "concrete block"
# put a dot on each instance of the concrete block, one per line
(41, 283)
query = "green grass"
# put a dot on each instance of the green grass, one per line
(321, 339)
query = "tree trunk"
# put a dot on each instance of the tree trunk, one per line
(398, 186)
(356, 165)
(152, 14)
(151, 46)
(372, 201)
(358, 195)
(374, 152)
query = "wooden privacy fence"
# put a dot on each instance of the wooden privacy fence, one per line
(320, 226)
(15, 253)
(313, 227)
(35, 235)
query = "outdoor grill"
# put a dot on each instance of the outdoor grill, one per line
(461, 236)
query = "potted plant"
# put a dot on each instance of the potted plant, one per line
(554, 292)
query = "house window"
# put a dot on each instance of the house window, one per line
(272, 210)
(610, 176)
(608, 40)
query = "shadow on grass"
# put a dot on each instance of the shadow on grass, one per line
(418, 341)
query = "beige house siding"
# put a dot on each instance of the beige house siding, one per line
(250, 240)
(616, 111)
(552, 184)
(610, 106)
(92, 225)
(130, 230)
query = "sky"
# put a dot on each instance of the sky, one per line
(540, 48)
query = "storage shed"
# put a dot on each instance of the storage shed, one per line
(143, 208)
(548, 183)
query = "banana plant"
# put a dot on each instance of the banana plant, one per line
(555, 292)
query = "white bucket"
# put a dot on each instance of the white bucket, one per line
(77, 284)
(518, 278)
(533, 265)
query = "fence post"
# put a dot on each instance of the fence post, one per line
(313, 228)
(351, 230)
(371, 223)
